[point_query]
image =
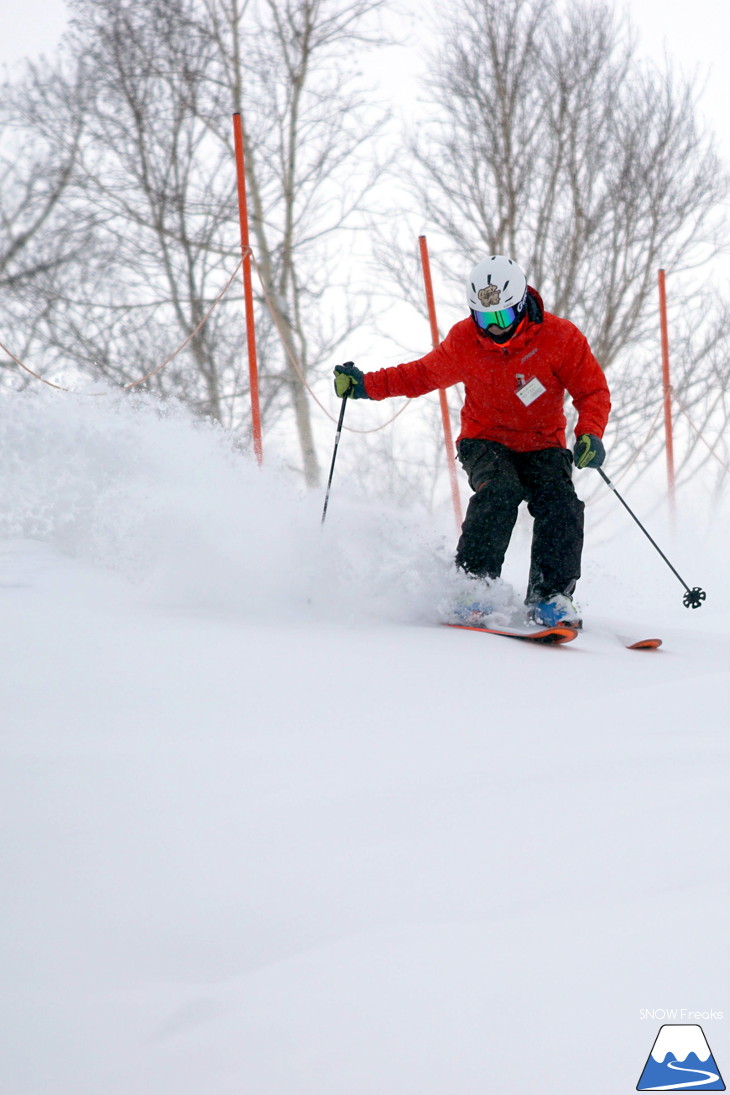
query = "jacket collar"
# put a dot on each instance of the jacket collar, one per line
(535, 306)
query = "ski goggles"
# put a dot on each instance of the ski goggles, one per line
(503, 318)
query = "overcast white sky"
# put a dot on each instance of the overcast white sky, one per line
(696, 35)
(29, 27)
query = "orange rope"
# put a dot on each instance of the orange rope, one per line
(700, 435)
(17, 361)
(191, 336)
(134, 383)
(642, 446)
(298, 370)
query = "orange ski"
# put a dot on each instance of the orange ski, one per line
(644, 644)
(559, 634)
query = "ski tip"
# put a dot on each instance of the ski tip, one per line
(644, 644)
(555, 635)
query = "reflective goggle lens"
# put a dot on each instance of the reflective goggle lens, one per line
(504, 318)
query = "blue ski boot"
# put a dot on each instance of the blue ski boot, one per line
(555, 610)
(482, 599)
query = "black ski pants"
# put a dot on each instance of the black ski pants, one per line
(501, 479)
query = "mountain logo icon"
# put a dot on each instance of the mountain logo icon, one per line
(680, 1060)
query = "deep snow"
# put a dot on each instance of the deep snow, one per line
(269, 830)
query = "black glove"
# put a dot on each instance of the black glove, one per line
(589, 451)
(349, 381)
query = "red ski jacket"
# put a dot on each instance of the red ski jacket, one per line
(514, 393)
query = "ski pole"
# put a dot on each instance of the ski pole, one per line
(334, 455)
(693, 598)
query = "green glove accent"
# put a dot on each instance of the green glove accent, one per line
(349, 381)
(589, 451)
(344, 383)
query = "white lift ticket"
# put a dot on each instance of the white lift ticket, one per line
(531, 391)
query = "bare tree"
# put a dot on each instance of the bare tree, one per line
(548, 138)
(699, 398)
(38, 239)
(551, 141)
(155, 184)
(281, 64)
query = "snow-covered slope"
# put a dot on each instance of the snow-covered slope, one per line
(680, 1041)
(269, 831)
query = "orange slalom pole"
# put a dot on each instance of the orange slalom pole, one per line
(446, 420)
(667, 391)
(248, 291)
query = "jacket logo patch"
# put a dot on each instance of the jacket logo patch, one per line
(489, 295)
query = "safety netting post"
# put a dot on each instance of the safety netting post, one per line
(445, 418)
(248, 290)
(669, 440)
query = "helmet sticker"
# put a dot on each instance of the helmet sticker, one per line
(494, 284)
(489, 296)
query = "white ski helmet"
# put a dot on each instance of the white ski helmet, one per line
(496, 291)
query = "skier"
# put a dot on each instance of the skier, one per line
(516, 362)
